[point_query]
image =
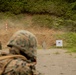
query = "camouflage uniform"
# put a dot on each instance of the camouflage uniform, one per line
(21, 59)
(25, 43)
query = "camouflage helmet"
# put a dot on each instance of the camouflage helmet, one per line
(25, 41)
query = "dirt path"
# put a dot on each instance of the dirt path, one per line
(56, 62)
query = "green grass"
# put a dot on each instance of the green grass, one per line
(71, 50)
(69, 40)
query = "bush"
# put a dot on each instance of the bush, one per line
(53, 7)
(71, 39)
(43, 20)
(69, 25)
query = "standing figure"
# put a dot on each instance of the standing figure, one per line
(44, 45)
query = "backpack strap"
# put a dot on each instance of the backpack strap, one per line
(12, 56)
(8, 60)
(4, 66)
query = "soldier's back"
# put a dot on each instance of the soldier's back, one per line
(17, 67)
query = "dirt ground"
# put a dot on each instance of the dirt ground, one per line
(56, 62)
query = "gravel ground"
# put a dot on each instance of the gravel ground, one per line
(56, 62)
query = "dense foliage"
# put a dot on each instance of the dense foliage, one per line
(64, 9)
(55, 7)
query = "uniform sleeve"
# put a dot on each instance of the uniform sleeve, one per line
(17, 67)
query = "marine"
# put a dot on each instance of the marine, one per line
(22, 55)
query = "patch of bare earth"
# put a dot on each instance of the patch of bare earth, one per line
(42, 34)
(56, 62)
(26, 23)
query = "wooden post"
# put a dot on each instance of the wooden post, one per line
(0, 45)
(6, 26)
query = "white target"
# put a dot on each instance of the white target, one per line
(59, 43)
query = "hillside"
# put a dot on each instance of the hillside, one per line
(54, 14)
(42, 33)
(39, 25)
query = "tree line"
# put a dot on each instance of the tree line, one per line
(66, 9)
(55, 7)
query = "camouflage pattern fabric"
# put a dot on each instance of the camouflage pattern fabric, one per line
(26, 43)
(22, 43)
(16, 65)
